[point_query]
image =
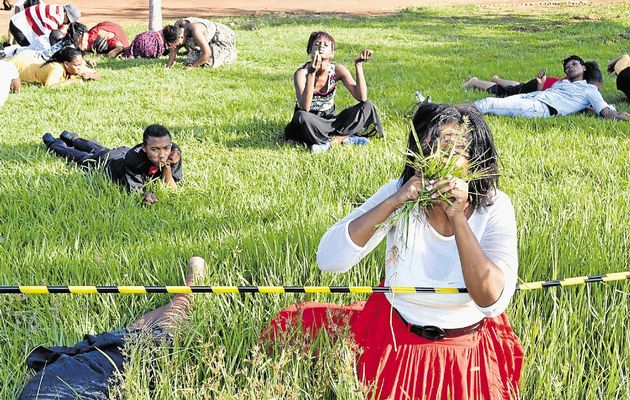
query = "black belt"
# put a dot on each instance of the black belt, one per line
(552, 111)
(431, 332)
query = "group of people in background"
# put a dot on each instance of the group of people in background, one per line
(47, 41)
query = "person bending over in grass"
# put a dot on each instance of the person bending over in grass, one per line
(65, 67)
(85, 370)
(565, 97)
(504, 88)
(621, 67)
(430, 346)
(107, 38)
(9, 80)
(315, 122)
(209, 44)
(149, 44)
(157, 157)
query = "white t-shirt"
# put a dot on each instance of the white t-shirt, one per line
(429, 259)
(8, 72)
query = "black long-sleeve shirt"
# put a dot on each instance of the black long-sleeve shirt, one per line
(132, 167)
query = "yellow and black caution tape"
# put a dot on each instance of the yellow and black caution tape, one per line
(295, 289)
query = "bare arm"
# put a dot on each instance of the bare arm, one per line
(304, 82)
(172, 56)
(167, 176)
(167, 171)
(206, 52)
(358, 88)
(362, 228)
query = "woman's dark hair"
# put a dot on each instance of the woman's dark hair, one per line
(154, 130)
(171, 33)
(66, 54)
(428, 121)
(75, 30)
(319, 35)
(593, 74)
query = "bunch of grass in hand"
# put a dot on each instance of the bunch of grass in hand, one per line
(443, 162)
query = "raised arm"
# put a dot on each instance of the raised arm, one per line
(358, 88)
(362, 228)
(485, 280)
(304, 82)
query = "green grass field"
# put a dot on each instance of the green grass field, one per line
(255, 207)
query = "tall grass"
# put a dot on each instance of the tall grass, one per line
(255, 207)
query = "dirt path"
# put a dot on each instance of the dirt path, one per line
(137, 10)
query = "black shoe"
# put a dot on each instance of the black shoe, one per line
(48, 139)
(68, 137)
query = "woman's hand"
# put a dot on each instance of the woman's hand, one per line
(363, 56)
(455, 190)
(410, 191)
(316, 62)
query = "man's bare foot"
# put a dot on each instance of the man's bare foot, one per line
(470, 83)
(495, 78)
(196, 271)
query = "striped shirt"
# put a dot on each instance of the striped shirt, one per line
(39, 20)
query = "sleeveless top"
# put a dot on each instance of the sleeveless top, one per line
(324, 101)
(208, 35)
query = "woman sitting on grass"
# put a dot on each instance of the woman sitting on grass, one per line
(315, 122)
(65, 67)
(440, 232)
(209, 44)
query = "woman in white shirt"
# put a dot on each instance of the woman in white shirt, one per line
(426, 345)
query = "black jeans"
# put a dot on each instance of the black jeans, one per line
(85, 152)
(18, 35)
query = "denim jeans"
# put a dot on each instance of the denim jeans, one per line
(513, 106)
(87, 153)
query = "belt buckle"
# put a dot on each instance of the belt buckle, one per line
(431, 332)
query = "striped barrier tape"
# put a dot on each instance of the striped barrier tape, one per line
(618, 276)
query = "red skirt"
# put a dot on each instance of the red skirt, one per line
(483, 365)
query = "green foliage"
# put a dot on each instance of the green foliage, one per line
(255, 207)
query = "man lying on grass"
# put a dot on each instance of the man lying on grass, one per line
(85, 370)
(567, 96)
(156, 157)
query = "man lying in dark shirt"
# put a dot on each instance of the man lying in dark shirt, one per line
(157, 157)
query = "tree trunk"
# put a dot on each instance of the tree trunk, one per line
(155, 15)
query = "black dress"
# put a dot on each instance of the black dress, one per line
(321, 122)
